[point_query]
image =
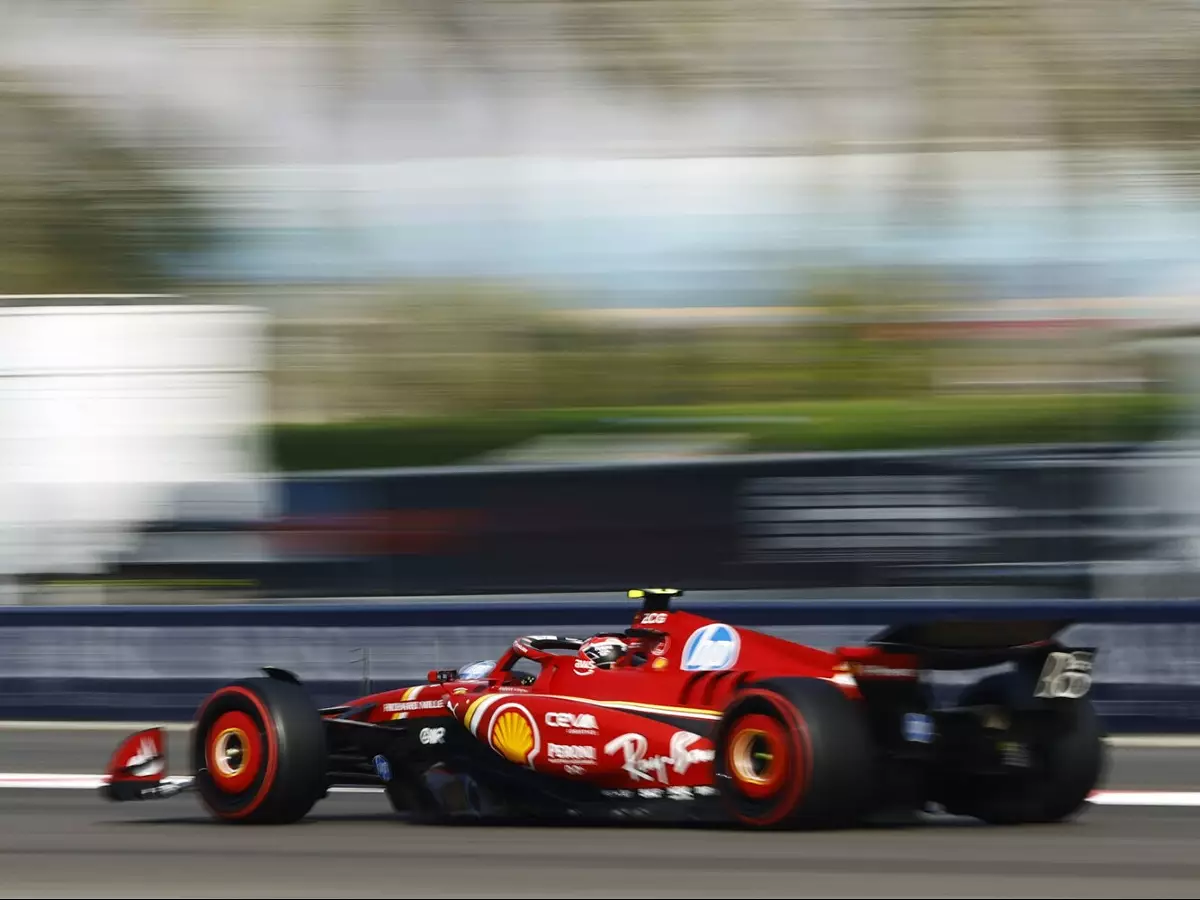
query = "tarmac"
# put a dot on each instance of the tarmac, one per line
(1139, 838)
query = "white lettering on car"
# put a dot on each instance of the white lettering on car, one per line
(681, 757)
(582, 723)
(571, 753)
(433, 735)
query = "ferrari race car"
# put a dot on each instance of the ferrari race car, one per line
(679, 717)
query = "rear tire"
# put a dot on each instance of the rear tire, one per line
(794, 753)
(259, 752)
(1068, 759)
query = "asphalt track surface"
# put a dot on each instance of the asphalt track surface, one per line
(71, 843)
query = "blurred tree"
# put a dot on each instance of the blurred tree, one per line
(80, 211)
(1098, 72)
(852, 352)
(1113, 85)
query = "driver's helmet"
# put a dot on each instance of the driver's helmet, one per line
(604, 652)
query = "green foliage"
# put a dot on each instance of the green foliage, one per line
(771, 427)
(81, 211)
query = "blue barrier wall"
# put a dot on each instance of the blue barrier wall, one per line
(157, 663)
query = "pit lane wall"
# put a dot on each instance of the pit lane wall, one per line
(157, 663)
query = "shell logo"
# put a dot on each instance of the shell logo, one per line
(514, 734)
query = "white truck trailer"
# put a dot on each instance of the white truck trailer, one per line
(108, 411)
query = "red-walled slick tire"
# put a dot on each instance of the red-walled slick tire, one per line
(259, 752)
(794, 753)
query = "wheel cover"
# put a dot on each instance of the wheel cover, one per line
(233, 752)
(757, 756)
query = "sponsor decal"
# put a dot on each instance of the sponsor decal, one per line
(584, 667)
(681, 757)
(670, 793)
(408, 702)
(433, 735)
(660, 663)
(654, 618)
(382, 768)
(711, 648)
(918, 728)
(583, 723)
(1066, 675)
(514, 734)
(575, 753)
(147, 761)
(411, 705)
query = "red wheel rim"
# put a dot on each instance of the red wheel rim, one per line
(756, 756)
(233, 752)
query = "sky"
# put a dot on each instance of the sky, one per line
(607, 197)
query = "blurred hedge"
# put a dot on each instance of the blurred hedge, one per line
(936, 421)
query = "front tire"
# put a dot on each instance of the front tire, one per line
(794, 753)
(259, 752)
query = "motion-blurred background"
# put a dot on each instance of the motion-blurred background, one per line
(621, 260)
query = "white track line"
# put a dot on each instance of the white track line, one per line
(75, 782)
(1146, 798)
(47, 781)
(1155, 741)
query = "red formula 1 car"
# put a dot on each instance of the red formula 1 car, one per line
(678, 717)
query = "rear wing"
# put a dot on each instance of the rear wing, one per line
(964, 644)
(1045, 670)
